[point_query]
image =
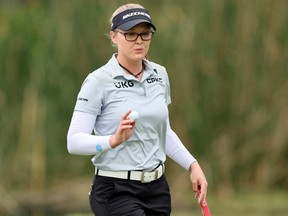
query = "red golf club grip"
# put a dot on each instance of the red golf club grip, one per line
(205, 210)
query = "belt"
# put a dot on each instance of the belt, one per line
(143, 176)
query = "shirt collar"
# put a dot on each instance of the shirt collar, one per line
(117, 70)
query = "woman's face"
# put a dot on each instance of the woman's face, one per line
(132, 50)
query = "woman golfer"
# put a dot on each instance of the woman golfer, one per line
(130, 151)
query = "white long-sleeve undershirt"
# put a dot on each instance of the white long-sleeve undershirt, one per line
(81, 141)
(176, 150)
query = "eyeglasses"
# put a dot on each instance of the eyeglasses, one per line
(133, 36)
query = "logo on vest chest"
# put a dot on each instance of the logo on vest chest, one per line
(124, 84)
(129, 84)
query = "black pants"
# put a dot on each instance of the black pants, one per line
(120, 197)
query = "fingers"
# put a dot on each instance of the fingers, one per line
(124, 130)
(199, 183)
(201, 194)
(126, 124)
(195, 189)
(125, 116)
(126, 120)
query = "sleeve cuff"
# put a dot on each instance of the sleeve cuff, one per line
(103, 144)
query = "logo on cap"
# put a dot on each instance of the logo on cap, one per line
(137, 13)
(131, 17)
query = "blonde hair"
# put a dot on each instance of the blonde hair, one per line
(123, 8)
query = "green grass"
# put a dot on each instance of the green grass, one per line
(243, 204)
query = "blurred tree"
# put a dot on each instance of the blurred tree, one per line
(227, 64)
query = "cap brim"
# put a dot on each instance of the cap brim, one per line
(130, 24)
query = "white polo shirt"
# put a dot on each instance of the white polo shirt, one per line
(109, 93)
